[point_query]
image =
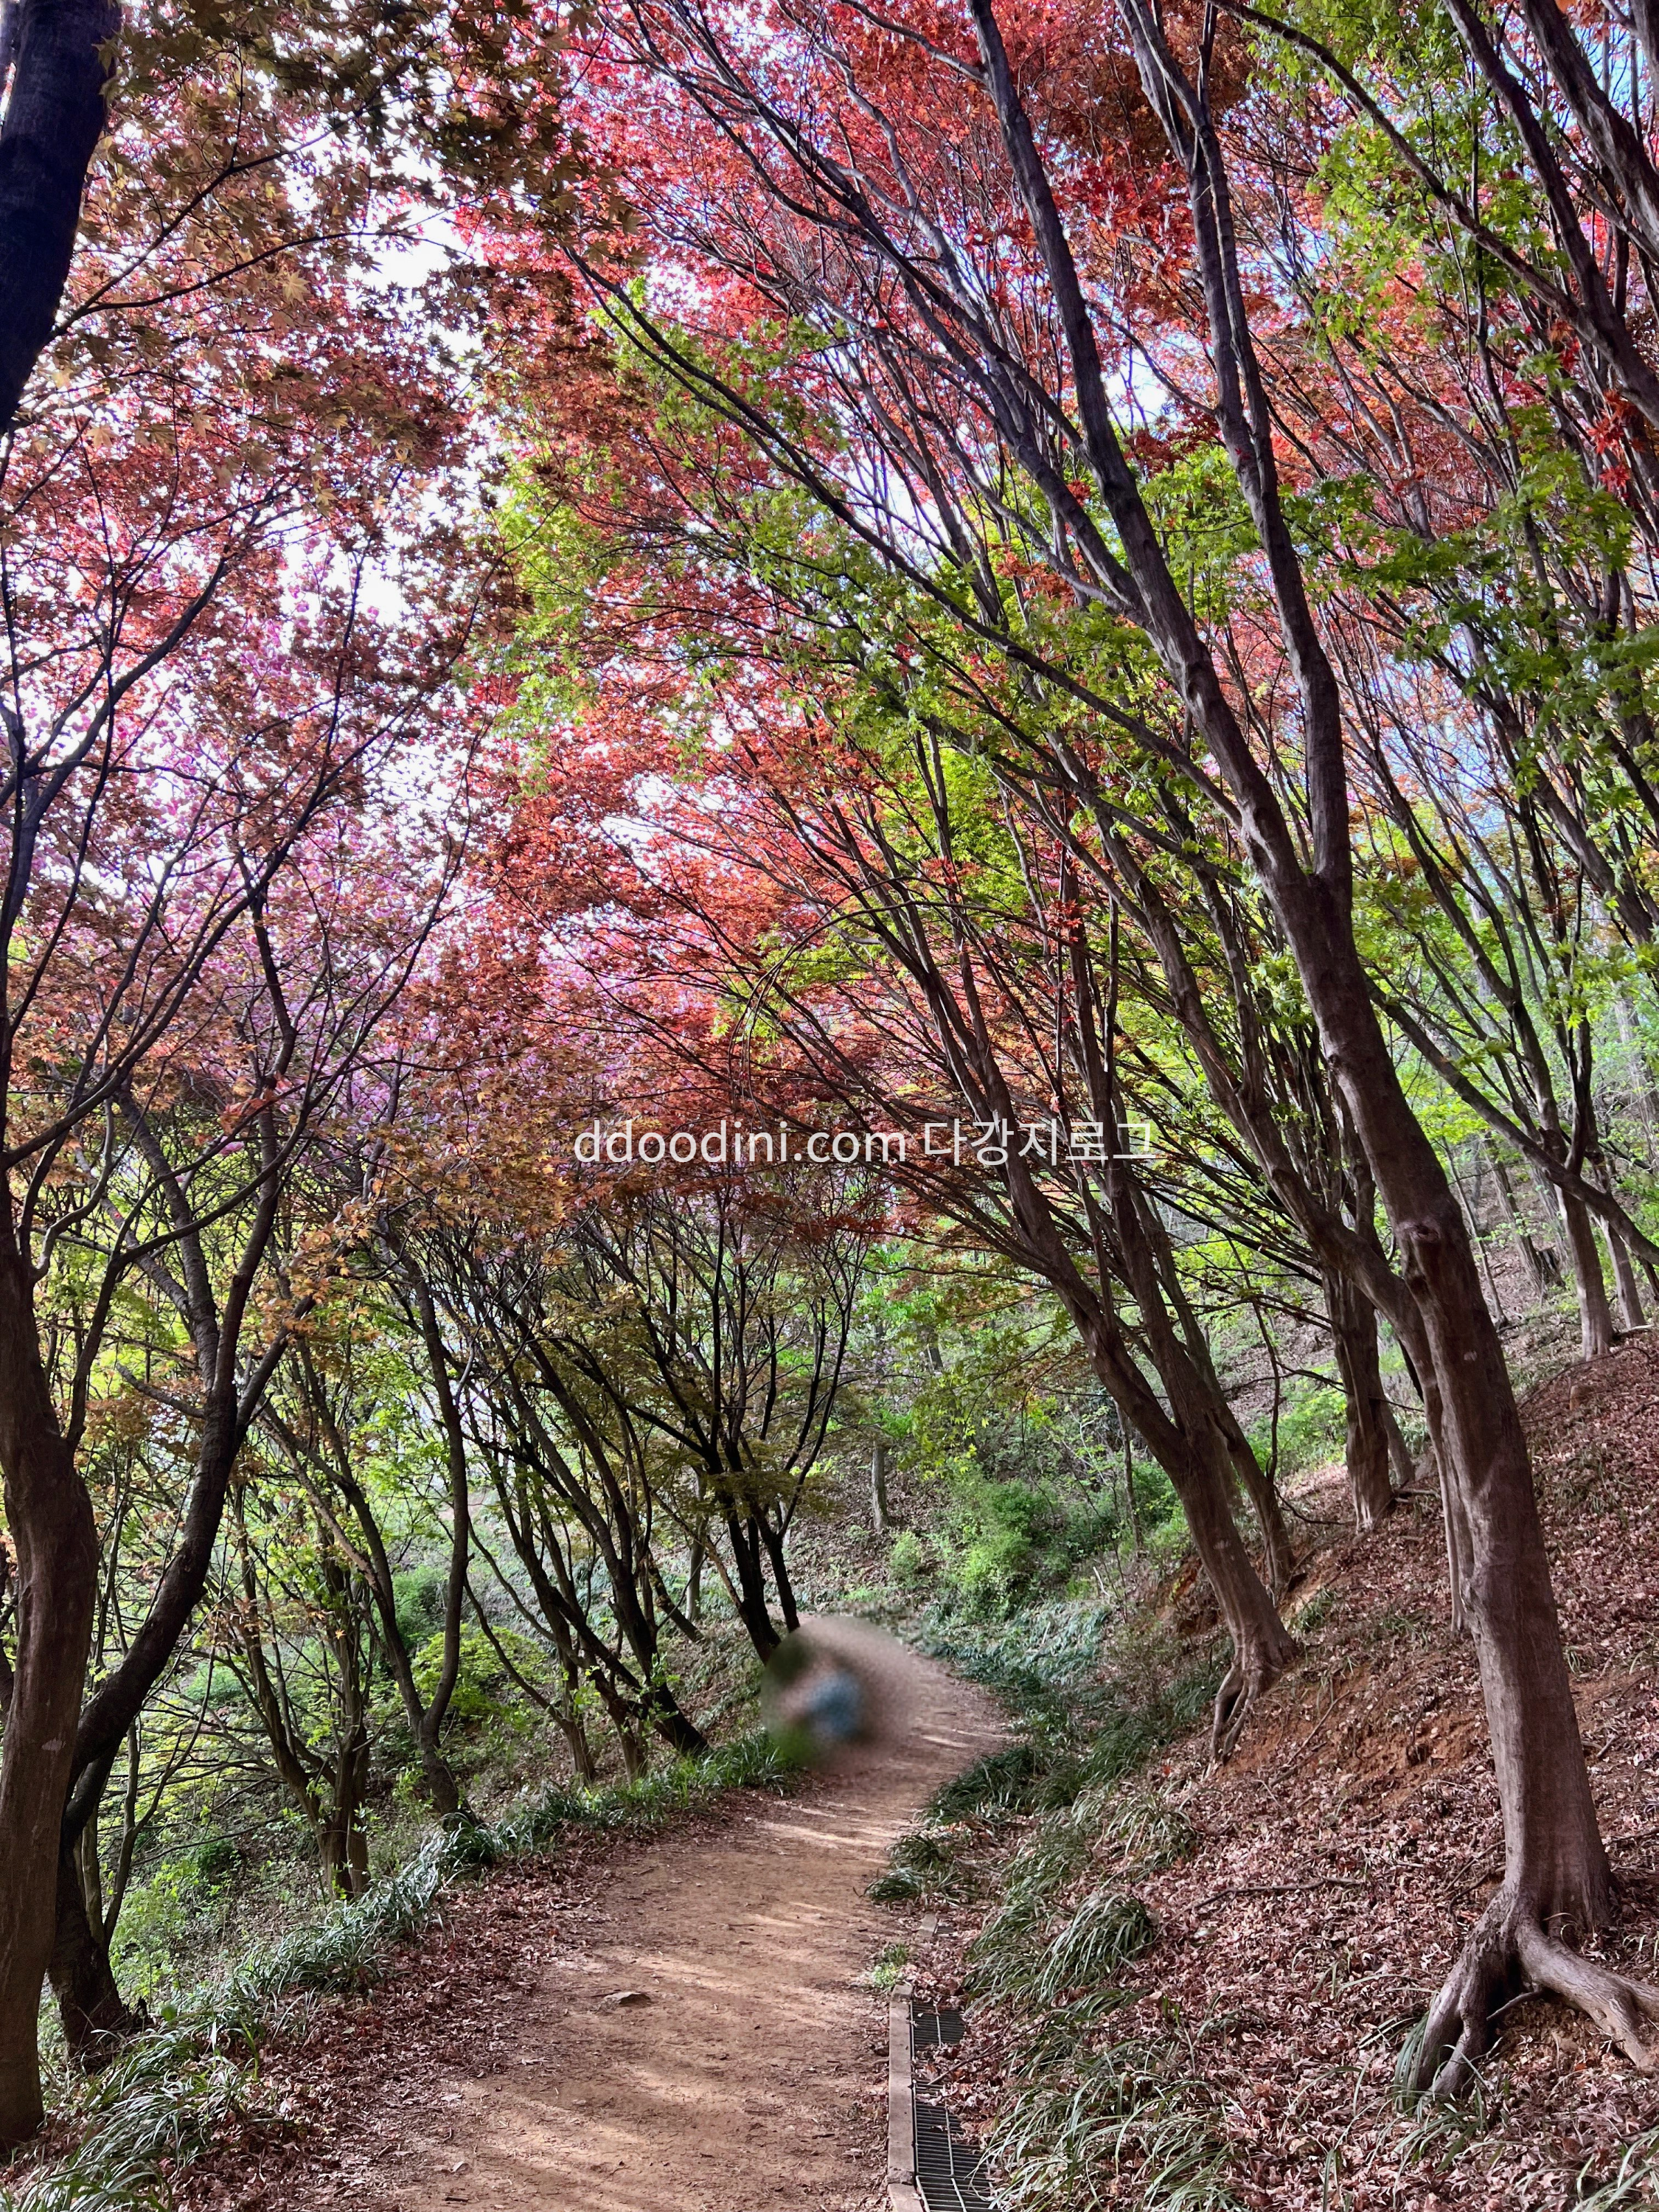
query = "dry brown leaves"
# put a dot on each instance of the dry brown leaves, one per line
(1356, 1836)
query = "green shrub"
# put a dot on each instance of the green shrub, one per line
(417, 1598)
(909, 1559)
(1312, 1428)
(480, 1677)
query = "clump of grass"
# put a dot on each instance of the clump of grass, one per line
(1001, 1782)
(1636, 2182)
(1315, 1614)
(919, 1863)
(1104, 1933)
(1132, 2108)
(1146, 1834)
(160, 2101)
(1092, 2122)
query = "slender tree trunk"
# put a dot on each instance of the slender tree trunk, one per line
(1543, 1265)
(1471, 1208)
(1256, 1480)
(441, 1786)
(55, 1545)
(1277, 1548)
(1262, 1645)
(776, 1542)
(1631, 1314)
(1367, 1445)
(1594, 1314)
(343, 1845)
(881, 1512)
(1399, 1457)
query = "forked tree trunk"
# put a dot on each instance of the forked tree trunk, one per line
(1367, 1444)
(753, 1608)
(776, 1541)
(55, 1546)
(95, 2016)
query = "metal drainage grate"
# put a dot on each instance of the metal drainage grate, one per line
(934, 2031)
(949, 2168)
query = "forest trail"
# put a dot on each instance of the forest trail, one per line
(754, 2074)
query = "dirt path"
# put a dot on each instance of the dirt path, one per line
(753, 2074)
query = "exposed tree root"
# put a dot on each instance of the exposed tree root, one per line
(1231, 1709)
(1508, 1955)
(1241, 1686)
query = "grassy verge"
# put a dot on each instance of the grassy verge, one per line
(1088, 2108)
(173, 2088)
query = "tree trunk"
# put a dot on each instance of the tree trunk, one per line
(753, 1608)
(1594, 1314)
(1262, 1645)
(50, 1519)
(669, 1718)
(1624, 1274)
(1367, 1445)
(1399, 1457)
(1256, 1480)
(583, 1765)
(775, 1541)
(1543, 1265)
(54, 120)
(1555, 1873)
(1556, 1869)
(1259, 1487)
(95, 2016)
(1192, 1449)
(881, 1512)
(441, 1786)
(1631, 1314)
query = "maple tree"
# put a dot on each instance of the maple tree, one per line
(203, 697)
(883, 251)
(1083, 577)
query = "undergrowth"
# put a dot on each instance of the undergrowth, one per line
(1088, 2105)
(162, 2100)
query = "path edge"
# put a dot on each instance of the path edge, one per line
(902, 2194)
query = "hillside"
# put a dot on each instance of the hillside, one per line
(1305, 1899)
